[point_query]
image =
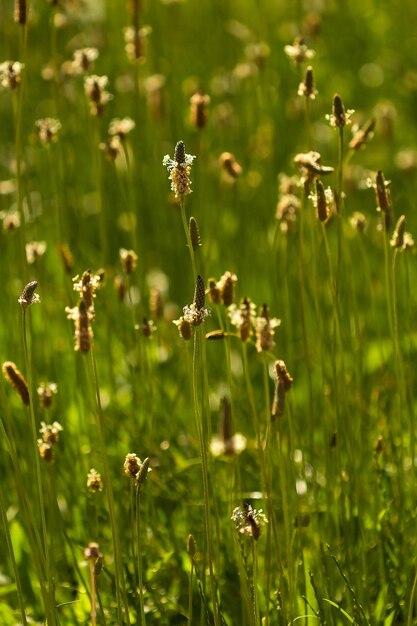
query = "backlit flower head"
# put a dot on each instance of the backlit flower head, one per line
(94, 481)
(243, 318)
(83, 60)
(10, 74)
(95, 89)
(249, 521)
(46, 392)
(179, 169)
(48, 129)
(298, 52)
(265, 330)
(339, 116)
(121, 127)
(28, 295)
(34, 250)
(307, 88)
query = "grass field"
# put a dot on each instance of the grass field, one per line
(207, 410)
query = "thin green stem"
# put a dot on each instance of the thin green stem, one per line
(139, 557)
(196, 374)
(120, 583)
(13, 560)
(50, 608)
(188, 238)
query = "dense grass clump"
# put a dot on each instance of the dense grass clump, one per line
(208, 317)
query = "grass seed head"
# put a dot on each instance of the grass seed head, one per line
(128, 259)
(199, 294)
(362, 135)
(46, 451)
(10, 74)
(17, 381)
(46, 392)
(191, 546)
(230, 165)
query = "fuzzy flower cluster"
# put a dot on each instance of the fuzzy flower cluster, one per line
(222, 291)
(98, 96)
(10, 74)
(83, 60)
(48, 129)
(226, 443)
(401, 239)
(136, 469)
(46, 392)
(179, 169)
(265, 330)
(249, 521)
(298, 52)
(83, 314)
(34, 250)
(94, 481)
(49, 437)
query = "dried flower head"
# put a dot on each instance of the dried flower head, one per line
(17, 381)
(128, 259)
(35, 250)
(283, 374)
(362, 134)
(179, 169)
(339, 117)
(265, 330)
(83, 60)
(94, 481)
(121, 127)
(10, 74)
(191, 546)
(48, 129)
(400, 238)
(230, 166)
(249, 521)
(299, 52)
(243, 318)
(28, 296)
(199, 109)
(46, 392)
(306, 88)
(50, 432)
(95, 89)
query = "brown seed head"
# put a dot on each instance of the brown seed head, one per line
(214, 335)
(199, 294)
(46, 451)
(92, 552)
(214, 292)
(17, 381)
(322, 210)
